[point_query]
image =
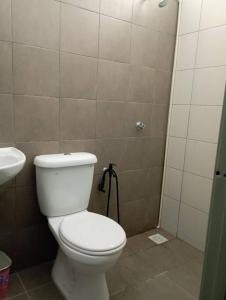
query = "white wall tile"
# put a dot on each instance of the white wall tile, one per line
(213, 13)
(187, 46)
(200, 158)
(179, 120)
(183, 87)
(190, 16)
(204, 123)
(173, 181)
(169, 215)
(209, 86)
(212, 47)
(176, 152)
(196, 191)
(193, 226)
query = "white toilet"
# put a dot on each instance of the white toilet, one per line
(89, 244)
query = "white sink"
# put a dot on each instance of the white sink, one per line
(12, 161)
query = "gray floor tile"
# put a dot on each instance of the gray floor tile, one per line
(162, 288)
(48, 292)
(22, 296)
(139, 242)
(183, 251)
(171, 271)
(188, 277)
(36, 276)
(159, 259)
(15, 286)
(154, 289)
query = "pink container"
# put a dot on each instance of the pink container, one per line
(5, 263)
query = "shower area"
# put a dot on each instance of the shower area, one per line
(78, 75)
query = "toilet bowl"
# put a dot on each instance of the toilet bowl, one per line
(84, 254)
(89, 243)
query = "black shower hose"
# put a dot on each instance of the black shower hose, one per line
(112, 174)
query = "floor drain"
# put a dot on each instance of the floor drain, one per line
(158, 239)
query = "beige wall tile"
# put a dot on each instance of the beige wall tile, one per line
(6, 118)
(137, 112)
(159, 120)
(144, 46)
(141, 84)
(5, 67)
(31, 149)
(110, 119)
(36, 22)
(109, 150)
(134, 185)
(5, 20)
(26, 200)
(114, 39)
(88, 4)
(45, 68)
(79, 30)
(77, 119)
(137, 154)
(143, 216)
(78, 146)
(112, 80)
(167, 17)
(7, 201)
(120, 9)
(141, 12)
(36, 71)
(165, 53)
(78, 76)
(162, 87)
(36, 118)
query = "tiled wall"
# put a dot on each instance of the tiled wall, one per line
(76, 75)
(198, 93)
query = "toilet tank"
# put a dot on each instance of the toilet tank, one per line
(64, 182)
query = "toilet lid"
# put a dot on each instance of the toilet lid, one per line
(91, 232)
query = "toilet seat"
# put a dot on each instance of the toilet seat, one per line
(92, 234)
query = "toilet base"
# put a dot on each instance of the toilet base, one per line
(74, 284)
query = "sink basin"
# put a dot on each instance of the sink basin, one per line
(12, 161)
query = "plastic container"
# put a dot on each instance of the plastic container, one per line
(5, 263)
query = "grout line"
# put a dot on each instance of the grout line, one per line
(203, 29)
(24, 287)
(59, 80)
(187, 138)
(98, 69)
(189, 172)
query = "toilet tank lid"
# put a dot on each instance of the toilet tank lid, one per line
(65, 160)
